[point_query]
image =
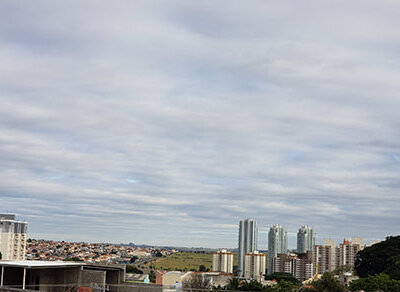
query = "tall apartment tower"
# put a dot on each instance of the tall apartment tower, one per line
(12, 238)
(222, 261)
(305, 239)
(255, 266)
(347, 252)
(247, 241)
(277, 243)
(324, 258)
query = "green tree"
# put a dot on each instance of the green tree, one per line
(285, 286)
(152, 276)
(202, 268)
(279, 276)
(327, 283)
(251, 285)
(375, 283)
(233, 284)
(133, 269)
(382, 257)
(196, 283)
(343, 269)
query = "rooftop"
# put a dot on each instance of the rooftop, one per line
(39, 264)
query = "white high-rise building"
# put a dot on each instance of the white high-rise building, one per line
(247, 242)
(305, 239)
(12, 238)
(277, 243)
(222, 261)
(254, 266)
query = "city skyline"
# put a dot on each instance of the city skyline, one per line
(166, 123)
(291, 236)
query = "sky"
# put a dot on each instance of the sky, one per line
(167, 122)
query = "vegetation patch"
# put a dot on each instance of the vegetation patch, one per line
(185, 261)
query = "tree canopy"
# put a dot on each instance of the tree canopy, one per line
(280, 276)
(236, 284)
(133, 269)
(382, 257)
(327, 283)
(381, 282)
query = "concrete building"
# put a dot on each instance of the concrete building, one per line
(222, 261)
(330, 242)
(298, 265)
(255, 265)
(213, 279)
(305, 239)
(324, 258)
(347, 278)
(346, 253)
(277, 243)
(173, 279)
(60, 276)
(247, 243)
(358, 240)
(328, 257)
(12, 238)
(169, 278)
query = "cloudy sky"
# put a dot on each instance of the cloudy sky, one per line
(166, 122)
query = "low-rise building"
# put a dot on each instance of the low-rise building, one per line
(169, 278)
(60, 276)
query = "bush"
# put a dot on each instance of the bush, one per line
(133, 269)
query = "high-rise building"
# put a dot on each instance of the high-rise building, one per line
(247, 241)
(324, 258)
(358, 240)
(299, 265)
(255, 264)
(328, 257)
(346, 253)
(305, 239)
(223, 261)
(330, 242)
(12, 238)
(277, 243)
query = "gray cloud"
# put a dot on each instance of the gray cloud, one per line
(167, 123)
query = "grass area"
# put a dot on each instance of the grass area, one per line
(185, 261)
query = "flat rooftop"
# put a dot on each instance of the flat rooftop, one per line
(58, 264)
(40, 264)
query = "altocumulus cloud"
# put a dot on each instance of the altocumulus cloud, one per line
(167, 122)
